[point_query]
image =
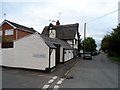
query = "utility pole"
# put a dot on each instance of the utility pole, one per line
(84, 31)
(84, 37)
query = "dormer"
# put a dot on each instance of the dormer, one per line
(52, 31)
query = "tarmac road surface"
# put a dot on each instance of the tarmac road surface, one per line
(97, 73)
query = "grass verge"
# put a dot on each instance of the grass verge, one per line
(115, 59)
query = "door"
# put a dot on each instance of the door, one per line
(57, 54)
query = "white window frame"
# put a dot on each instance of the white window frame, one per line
(9, 32)
(1, 32)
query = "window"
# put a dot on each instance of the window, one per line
(9, 32)
(0, 32)
(52, 33)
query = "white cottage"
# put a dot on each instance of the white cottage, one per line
(36, 52)
(68, 33)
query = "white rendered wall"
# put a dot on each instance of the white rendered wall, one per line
(52, 59)
(61, 54)
(29, 52)
(68, 55)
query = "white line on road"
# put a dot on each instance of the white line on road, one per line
(51, 81)
(45, 87)
(60, 81)
(55, 77)
(56, 87)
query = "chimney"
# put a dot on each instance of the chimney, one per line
(58, 23)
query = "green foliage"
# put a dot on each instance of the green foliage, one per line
(105, 43)
(115, 59)
(89, 44)
(111, 42)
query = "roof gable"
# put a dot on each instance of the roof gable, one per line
(18, 26)
(63, 31)
(7, 23)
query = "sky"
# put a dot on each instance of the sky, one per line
(39, 13)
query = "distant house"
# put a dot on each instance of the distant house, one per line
(13, 31)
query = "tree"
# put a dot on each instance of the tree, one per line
(89, 44)
(105, 45)
(111, 42)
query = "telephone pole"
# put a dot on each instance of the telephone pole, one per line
(84, 31)
(84, 38)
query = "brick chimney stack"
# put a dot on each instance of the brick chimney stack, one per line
(58, 23)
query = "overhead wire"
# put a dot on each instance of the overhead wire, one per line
(103, 16)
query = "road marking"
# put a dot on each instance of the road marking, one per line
(60, 81)
(45, 87)
(55, 77)
(50, 81)
(56, 87)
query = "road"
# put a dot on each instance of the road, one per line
(97, 73)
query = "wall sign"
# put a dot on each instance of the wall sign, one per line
(39, 55)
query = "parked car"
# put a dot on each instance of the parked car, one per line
(95, 53)
(87, 56)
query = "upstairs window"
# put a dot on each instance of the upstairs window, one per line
(0, 32)
(52, 33)
(9, 32)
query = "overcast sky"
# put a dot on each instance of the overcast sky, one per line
(37, 13)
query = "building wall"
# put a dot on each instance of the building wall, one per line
(61, 54)
(52, 59)
(68, 55)
(21, 34)
(6, 26)
(29, 52)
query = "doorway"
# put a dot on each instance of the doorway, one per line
(57, 54)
